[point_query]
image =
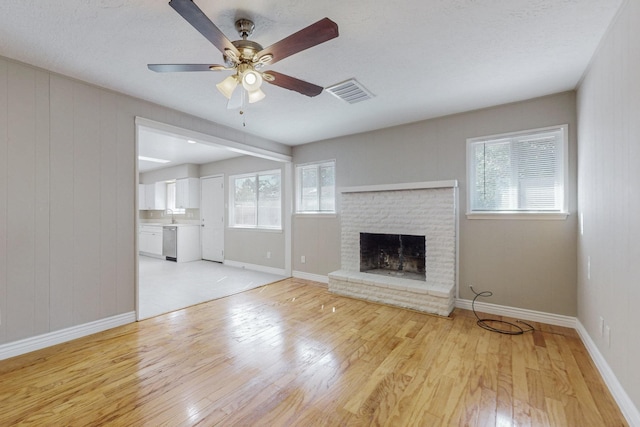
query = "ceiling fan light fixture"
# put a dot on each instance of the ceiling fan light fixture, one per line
(251, 80)
(256, 95)
(227, 86)
(237, 100)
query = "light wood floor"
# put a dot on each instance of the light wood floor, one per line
(291, 354)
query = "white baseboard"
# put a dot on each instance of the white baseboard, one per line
(38, 342)
(310, 276)
(621, 397)
(255, 267)
(519, 313)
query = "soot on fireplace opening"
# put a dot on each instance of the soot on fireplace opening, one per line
(398, 255)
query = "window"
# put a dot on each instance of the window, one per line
(255, 200)
(316, 187)
(171, 200)
(518, 173)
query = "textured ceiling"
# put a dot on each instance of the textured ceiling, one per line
(420, 58)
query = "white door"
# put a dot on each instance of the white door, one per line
(212, 217)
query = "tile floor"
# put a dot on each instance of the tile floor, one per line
(167, 286)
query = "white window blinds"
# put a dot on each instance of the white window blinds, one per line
(523, 172)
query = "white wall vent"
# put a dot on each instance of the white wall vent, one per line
(350, 91)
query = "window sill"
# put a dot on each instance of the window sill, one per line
(519, 215)
(260, 229)
(315, 214)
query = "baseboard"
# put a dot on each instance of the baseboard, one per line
(519, 313)
(255, 267)
(621, 397)
(38, 342)
(310, 276)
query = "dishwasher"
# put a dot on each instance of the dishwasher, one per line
(170, 243)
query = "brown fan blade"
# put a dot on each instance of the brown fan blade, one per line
(294, 84)
(196, 17)
(172, 68)
(323, 30)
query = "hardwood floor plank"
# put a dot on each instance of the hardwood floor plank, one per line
(488, 402)
(291, 353)
(504, 407)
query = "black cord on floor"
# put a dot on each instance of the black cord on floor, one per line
(486, 323)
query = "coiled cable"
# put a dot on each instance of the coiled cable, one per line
(486, 323)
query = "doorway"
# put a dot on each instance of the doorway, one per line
(212, 217)
(155, 142)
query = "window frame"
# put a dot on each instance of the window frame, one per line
(232, 191)
(298, 188)
(169, 203)
(561, 213)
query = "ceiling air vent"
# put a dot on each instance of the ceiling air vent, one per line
(350, 91)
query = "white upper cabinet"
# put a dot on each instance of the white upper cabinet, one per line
(188, 193)
(155, 196)
(142, 201)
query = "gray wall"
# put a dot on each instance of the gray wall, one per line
(526, 263)
(609, 173)
(247, 245)
(67, 198)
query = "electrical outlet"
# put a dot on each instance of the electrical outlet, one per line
(601, 326)
(268, 254)
(303, 259)
(607, 336)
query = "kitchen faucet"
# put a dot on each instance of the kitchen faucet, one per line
(173, 221)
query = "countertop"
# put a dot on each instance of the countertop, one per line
(166, 224)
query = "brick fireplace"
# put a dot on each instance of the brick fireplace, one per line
(414, 210)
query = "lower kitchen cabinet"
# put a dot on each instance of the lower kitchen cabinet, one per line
(150, 240)
(188, 243)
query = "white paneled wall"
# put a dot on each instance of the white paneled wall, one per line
(4, 190)
(61, 204)
(67, 199)
(66, 175)
(27, 153)
(609, 201)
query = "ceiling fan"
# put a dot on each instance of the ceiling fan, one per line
(246, 58)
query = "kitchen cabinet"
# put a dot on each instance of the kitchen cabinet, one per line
(155, 196)
(142, 202)
(188, 243)
(188, 193)
(150, 240)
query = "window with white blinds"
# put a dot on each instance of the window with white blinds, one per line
(524, 172)
(316, 187)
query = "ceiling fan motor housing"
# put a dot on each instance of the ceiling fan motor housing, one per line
(247, 50)
(244, 27)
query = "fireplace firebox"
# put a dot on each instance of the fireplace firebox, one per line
(397, 255)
